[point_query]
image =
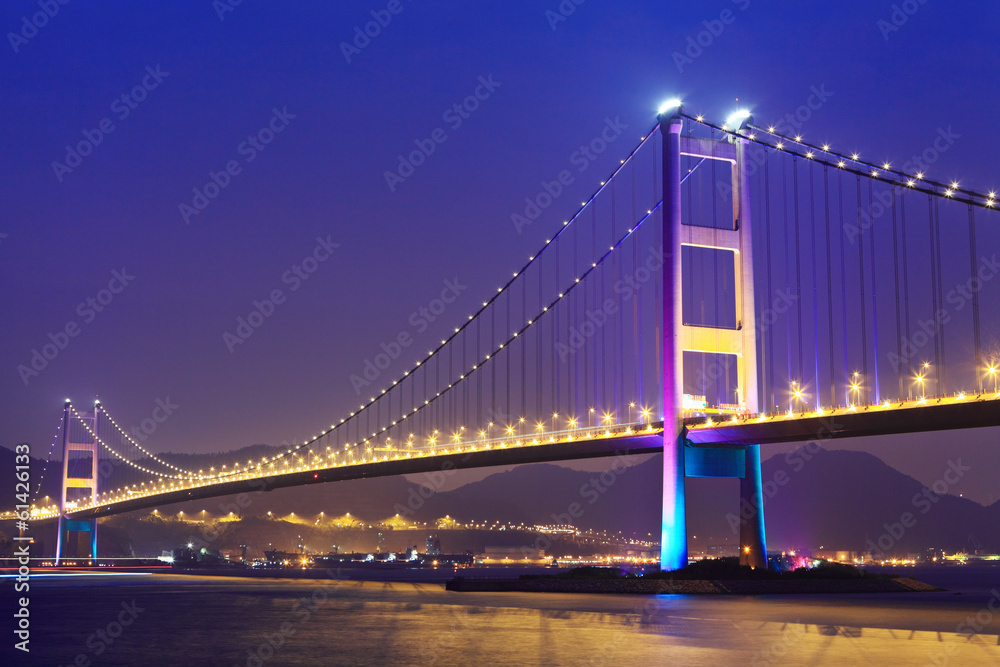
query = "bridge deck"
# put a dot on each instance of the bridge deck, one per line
(906, 417)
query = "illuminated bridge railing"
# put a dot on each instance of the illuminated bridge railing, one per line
(377, 454)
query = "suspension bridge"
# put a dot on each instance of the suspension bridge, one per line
(724, 287)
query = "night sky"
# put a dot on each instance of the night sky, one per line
(331, 116)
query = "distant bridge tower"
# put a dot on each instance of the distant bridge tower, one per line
(67, 526)
(680, 458)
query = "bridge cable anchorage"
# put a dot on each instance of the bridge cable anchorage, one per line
(490, 301)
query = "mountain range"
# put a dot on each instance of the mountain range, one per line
(814, 498)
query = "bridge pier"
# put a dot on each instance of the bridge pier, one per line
(753, 545)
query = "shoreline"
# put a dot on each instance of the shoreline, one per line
(690, 586)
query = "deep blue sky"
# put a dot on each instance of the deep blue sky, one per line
(323, 175)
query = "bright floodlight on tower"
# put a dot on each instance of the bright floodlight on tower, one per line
(738, 118)
(669, 105)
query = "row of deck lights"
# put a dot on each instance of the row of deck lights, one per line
(317, 462)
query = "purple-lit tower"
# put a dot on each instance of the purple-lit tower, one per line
(68, 526)
(680, 458)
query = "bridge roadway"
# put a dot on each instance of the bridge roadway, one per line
(907, 417)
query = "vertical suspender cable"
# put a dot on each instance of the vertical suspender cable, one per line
(895, 261)
(768, 367)
(556, 372)
(479, 376)
(636, 298)
(506, 406)
(861, 268)
(934, 282)
(815, 282)
(975, 284)
(829, 285)
(798, 265)
(616, 341)
(491, 411)
(940, 282)
(524, 349)
(871, 250)
(906, 285)
(843, 287)
(540, 408)
(597, 379)
(574, 310)
(788, 268)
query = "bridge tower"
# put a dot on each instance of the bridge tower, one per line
(680, 458)
(70, 527)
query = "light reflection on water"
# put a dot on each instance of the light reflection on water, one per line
(216, 621)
